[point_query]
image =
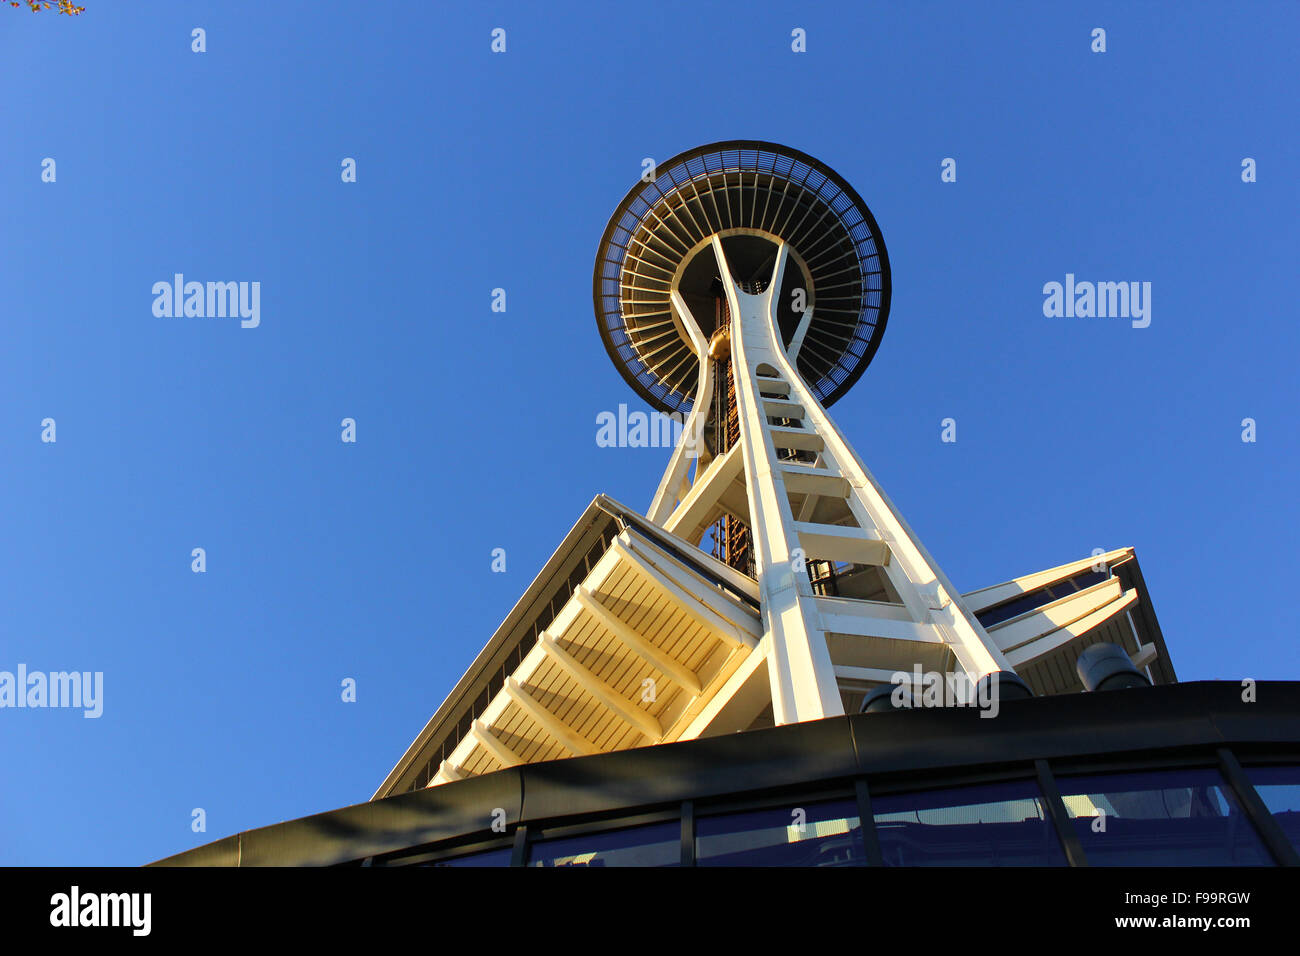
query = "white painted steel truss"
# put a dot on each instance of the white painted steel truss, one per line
(842, 516)
(651, 648)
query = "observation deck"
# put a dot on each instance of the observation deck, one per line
(753, 195)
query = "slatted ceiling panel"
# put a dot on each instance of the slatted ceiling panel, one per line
(480, 761)
(675, 632)
(625, 673)
(698, 643)
(1041, 678)
(546, 747)
(1063, 664)
(512, 728)
(606, 660)
(634, 600)
(515, 731)
(633, 685)
(637, 602)
(1029, 676)
(669, 628)
(682, 636)
(618, 665)
(678, 635)
(536, 745)
(546, 685)
(622, 736)
(604, 654)
(667, 695)
(525, 737)
(604, 730)
(1049, 677)
(1046, 676)
(587, 642)
(555, 690)
(1053, 673)
(1067, 678)
(614, 734)
(640, 605)
(629, 599)
(588, 717)
(610, 732)
(624, 669)
(1070, 683)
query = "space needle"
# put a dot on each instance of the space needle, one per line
(741, 673)
(747, 286)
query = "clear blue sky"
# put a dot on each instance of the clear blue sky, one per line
(477, 430)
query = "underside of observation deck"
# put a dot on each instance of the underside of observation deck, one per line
(750, 193)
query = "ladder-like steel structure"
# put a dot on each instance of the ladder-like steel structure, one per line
(829, 511)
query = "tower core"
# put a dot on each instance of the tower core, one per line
(746, 287)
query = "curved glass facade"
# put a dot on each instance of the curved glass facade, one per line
(1279, 788)
(1183, 816)
(1175, 775)
(1161, 818)
(655, 844)
(826, 833)
(1003, 824)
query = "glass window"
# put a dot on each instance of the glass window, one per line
(1161, 818)
(1014, 608)
(656, 844)
(1088, 579)
(499, 857)
(1036, 599)
(1279, 788)
(811, 834)
(1061, 589)
(1001, 824)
